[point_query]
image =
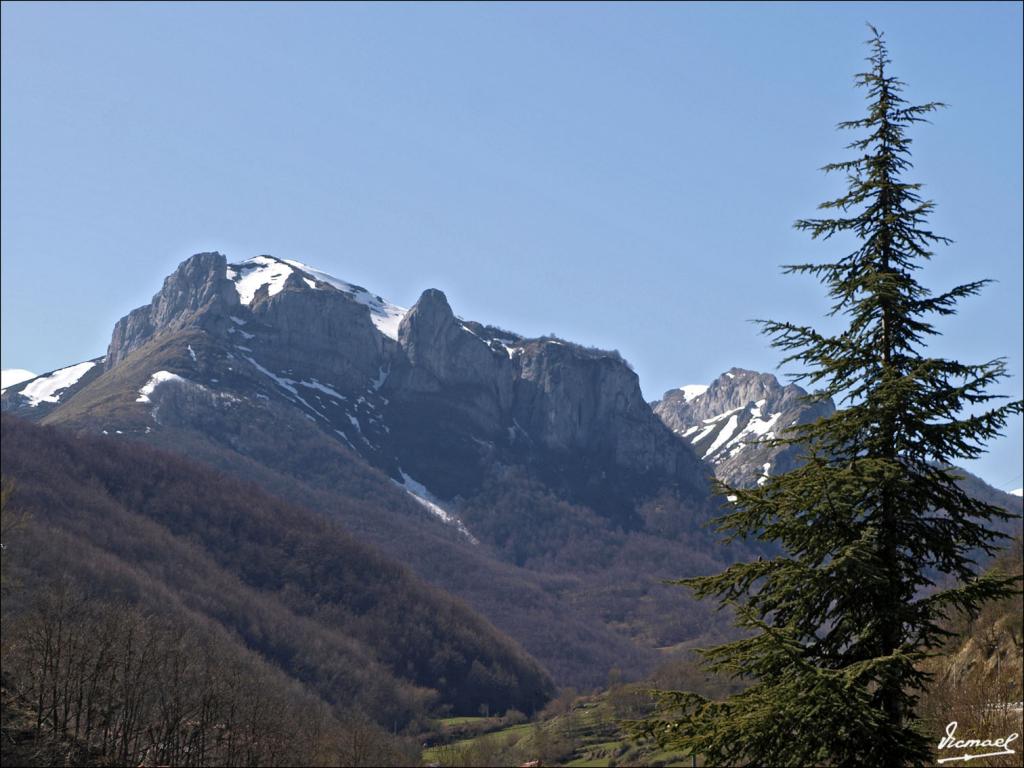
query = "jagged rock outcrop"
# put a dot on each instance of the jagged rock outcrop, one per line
(198, 293)
(736, 388)
(728, 421)
(442, 352)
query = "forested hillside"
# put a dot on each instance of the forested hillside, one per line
(111, 532)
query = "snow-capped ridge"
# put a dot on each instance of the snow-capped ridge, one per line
(253, 274)
(48, 388)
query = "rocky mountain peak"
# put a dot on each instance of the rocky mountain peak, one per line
(738, 388)
(197, 293)
(429, 319)
(441, 351)
(729, 421)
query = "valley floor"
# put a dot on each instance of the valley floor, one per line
(580, 731)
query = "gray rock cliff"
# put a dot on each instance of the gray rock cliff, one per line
(491, 397)
(321, 334)
(198, 293)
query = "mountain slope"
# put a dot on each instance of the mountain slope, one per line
(35, 396)
(392, 385)
(130, 521)
(272, 444)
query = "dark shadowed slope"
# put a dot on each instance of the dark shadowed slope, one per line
(134, 522)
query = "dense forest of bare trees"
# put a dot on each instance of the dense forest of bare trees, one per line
(139, 689)
(155, 612)
(94, 681)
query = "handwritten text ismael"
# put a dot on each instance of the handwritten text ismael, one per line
(950, 741)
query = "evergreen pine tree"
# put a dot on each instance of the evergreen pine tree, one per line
(873, 527)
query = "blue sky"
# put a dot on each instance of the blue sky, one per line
(622, 175)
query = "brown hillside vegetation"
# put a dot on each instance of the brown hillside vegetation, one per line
(121, 532)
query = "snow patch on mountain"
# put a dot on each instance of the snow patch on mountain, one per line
(287, 385)
(382, 376)
(759, 427)
(1017, 492)
(432, 504)
(327, 390)
(724, 435)
(251, 275)
(47, 389)
(158, 378)
(693, 390)
(742, 426)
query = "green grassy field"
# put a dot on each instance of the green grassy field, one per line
(450, 721)
(586, 734)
